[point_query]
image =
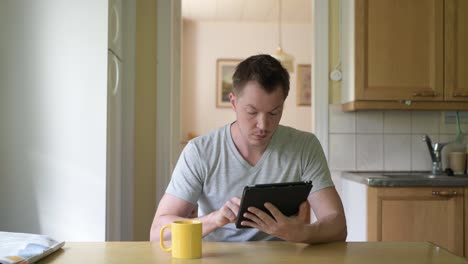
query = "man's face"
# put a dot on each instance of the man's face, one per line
(258, 113)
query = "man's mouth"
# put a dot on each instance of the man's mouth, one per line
(260, 136)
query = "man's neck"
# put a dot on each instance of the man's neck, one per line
(252, 154)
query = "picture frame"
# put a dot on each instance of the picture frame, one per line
(224, 70)
(304, 84)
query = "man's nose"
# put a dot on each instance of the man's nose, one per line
(262, 121)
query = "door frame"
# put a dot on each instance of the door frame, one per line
(168, 91)
(320, 9)
(168, 100)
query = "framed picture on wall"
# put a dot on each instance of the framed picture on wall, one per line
(304, 84)
(224, 70)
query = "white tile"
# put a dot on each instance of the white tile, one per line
(446, 138)
(342, 151)
(397, 122)
(369, 152)
(452, 128)
(425, 122)
(420, 157)
(336, 178)
(341, 122)
(369, 122)
(447, 129)
(397, 152)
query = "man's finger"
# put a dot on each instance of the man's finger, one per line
(275, 212)
(266, 218)
(236, 200)
(250, 224)
(233, 207)
(253, 218)
(229, 214)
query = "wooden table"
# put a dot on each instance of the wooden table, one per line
(258, 252)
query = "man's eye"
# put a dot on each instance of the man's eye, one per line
(251, 113)
(273, 114)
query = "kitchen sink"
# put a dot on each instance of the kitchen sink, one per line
(412, 175)
(405, 178)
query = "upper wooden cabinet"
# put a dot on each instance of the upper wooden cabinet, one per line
(456, 50)
(405, 54)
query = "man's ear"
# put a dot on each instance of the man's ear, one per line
(232, 99)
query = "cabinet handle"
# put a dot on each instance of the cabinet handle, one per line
(406, 102)
(444, 193)
(425, 94)
(460, 94)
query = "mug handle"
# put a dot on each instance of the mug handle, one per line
(161, 238)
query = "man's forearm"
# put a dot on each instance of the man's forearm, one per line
(208, 225)
(328, 229)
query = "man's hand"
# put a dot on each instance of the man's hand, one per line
(172, 208)
(281, 226)
(226, 214)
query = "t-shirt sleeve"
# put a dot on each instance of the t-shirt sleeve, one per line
(187, 178)
(314, 163)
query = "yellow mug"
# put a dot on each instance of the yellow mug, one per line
(186, 239)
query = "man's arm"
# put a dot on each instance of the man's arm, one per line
(331, 220)
(330, 224)
(172, 208)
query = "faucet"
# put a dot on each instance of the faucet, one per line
(436, 154)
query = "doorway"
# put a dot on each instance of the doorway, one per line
(172, 129)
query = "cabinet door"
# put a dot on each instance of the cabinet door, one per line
(399, 50)
(417, 214)
(456, 50)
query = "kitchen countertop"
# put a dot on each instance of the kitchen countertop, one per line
(404, 179)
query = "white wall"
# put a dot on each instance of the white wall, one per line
(205, 42)
(53, 118)
(386, 140)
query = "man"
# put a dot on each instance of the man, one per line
(214, 168)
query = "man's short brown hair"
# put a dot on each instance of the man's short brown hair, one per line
(265, 70)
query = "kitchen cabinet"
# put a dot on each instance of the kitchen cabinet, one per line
(380, 208)
(400, 54)
(456, 50)
(434, 214)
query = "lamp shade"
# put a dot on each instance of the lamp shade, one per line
(287, 60)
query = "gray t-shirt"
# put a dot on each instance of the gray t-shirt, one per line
(210, 171)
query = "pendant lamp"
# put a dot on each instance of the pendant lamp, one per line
(287, 60)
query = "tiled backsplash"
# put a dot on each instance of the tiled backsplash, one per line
(385, 140)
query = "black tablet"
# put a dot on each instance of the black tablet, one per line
(287, 197)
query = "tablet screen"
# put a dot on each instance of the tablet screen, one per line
(287, 197)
